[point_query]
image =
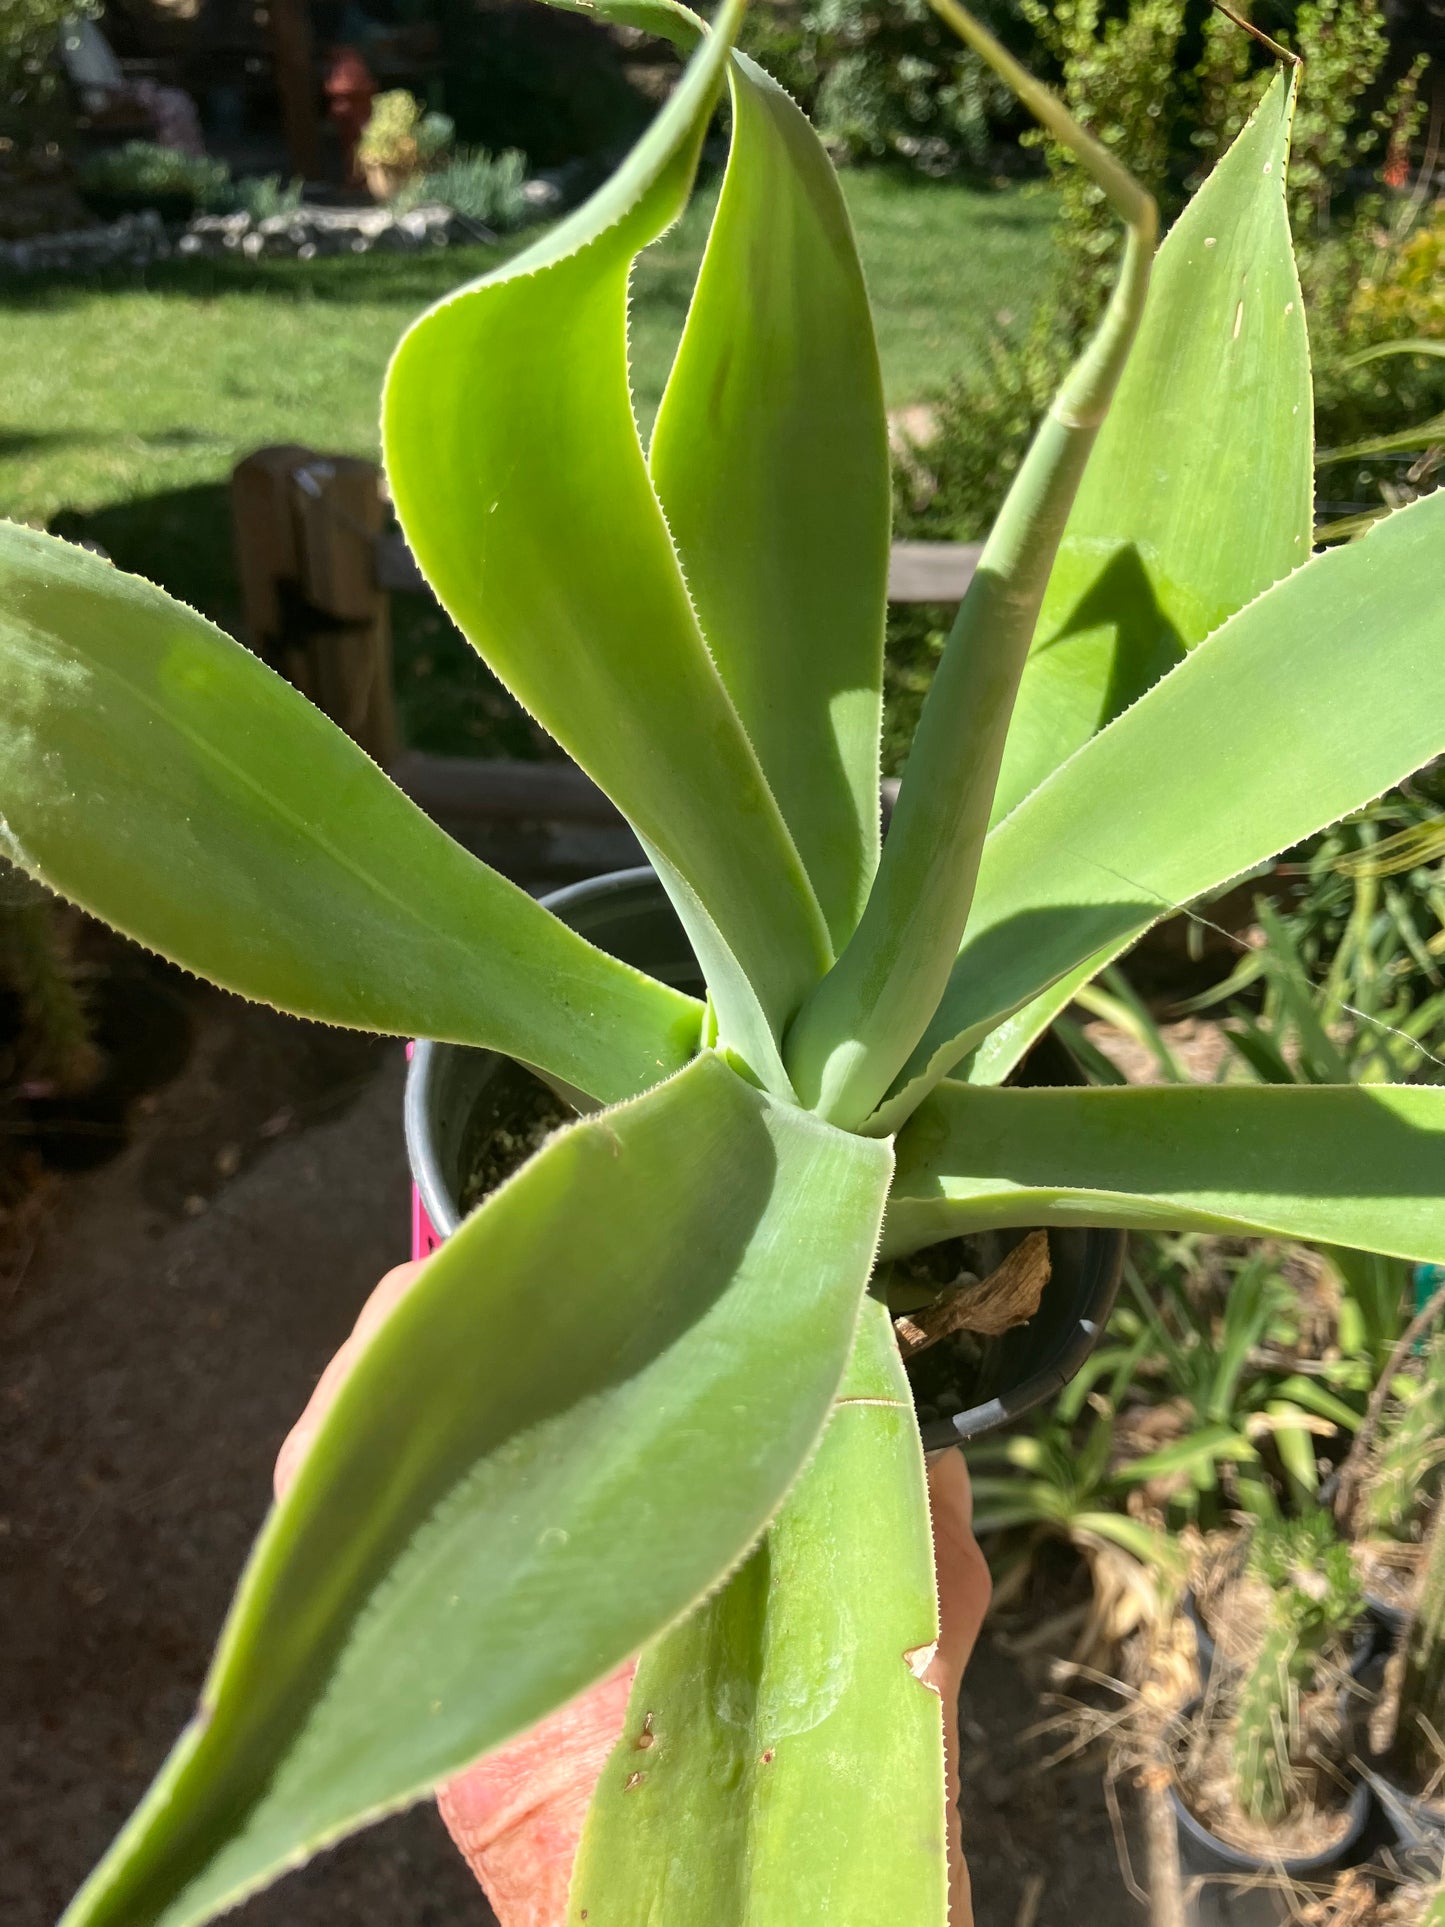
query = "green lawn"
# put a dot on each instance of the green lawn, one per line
(123, 406)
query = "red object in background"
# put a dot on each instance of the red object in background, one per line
(350, 90)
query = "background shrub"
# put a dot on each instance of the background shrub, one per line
(482, 187)
(1168, 93)
(887, 78)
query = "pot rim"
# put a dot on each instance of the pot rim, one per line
(1102, 1260)
(1356, 1810)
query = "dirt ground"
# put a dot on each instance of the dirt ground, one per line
(156, 1341)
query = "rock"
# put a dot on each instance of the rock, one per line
(542, 195)
(306, 232)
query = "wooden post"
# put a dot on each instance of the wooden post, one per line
(306, 529)
(339, 514)
(292, 57)
(264, 532)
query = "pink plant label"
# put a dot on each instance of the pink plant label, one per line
(425, 1238)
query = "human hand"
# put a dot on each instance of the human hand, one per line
(517, 1815)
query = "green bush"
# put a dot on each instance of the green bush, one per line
(553, 84)
(29, 71)
(482, 187)
(265, 196)
(1402, 292)
(140, 170)
(1135, 80)
(1168, 101)
(887, 79)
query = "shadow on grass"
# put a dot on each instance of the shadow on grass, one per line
(180, 538)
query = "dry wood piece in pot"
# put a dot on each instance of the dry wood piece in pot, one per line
(1009, 1296)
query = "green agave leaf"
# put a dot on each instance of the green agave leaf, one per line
(1199, 493)
(860, 1023)
(1312, 700)
(153, 771)
(1345, 1164)
(520, 482)
(781, 1761)
(583, 1412)
(770, 458)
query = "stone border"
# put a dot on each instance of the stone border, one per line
(136, 240)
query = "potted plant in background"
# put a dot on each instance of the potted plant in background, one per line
(707, 1428)
(1261, 1785)
(399, 140)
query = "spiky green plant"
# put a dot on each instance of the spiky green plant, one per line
(1404, 1477)
(1315, 1596)
(643, 1398)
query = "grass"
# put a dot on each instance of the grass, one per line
(125, 403)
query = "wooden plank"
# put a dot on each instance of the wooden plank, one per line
(293, 66)
(396, 566)
(917, 571)
(931, 571)
(264, 535)
(339, 514)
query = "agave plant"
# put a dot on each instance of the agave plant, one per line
(645, 1399)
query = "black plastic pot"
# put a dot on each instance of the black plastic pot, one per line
(1390, 1621)
(1247, 1891)
(628, 914)
(1243, 1889)
(1415, 1826)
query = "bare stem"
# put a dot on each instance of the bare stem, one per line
(1257, 33)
